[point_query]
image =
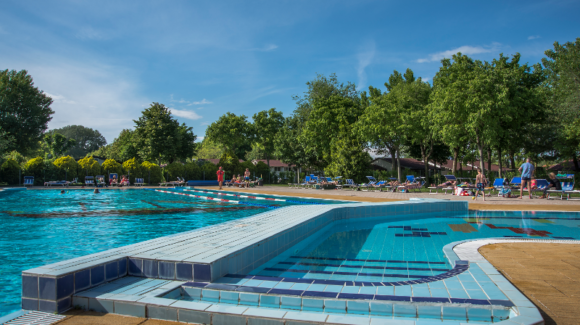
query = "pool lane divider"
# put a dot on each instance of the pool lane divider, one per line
(251, 197)
(216, 199)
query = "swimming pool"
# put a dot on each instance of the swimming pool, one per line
(385, 251)
(43, 226)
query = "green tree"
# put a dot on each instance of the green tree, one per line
(89, 166)
(230, 131)
(151, 172)
(67, 167)
(24, 110)
(287, 146)
(158, 136)
(57, 144)
(266, 126)
(86, 139)
(6, 141)
(230, 163)
(209, 150)
(562, 67)
(9, 171)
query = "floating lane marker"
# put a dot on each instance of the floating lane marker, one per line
(216, 199)
(244, 196)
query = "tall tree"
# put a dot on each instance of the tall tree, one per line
(57, 144)
(24, 109)
(266, 126)
(87, 139)
(563, 69)
(6, 141)
(230, 131)
(159, 137)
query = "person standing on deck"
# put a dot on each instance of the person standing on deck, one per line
(247, 177)
(220, 176)
(480, 182)
(527, 170)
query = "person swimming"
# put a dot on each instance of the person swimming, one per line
(61, 191)
(96, 191)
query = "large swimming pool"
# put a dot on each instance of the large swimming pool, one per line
(40, 227)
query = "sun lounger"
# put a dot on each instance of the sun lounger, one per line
(139, 182)
(350, 184)
(444, 188)
(28, 181)
(51, 183)
(305, 183)
(567, 188)
(370, 184)
(516, 182)
(115, 176)
(89, 180)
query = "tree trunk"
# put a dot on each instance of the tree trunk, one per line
(499, 162)
(398, 165)
(480, 149)
(455, 155)
(512, 160)
(393, 159)
(575, 160)
(425, 163)
(489, 160)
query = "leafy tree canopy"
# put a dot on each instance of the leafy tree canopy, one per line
(66, 163)
(158, 136)
(24, 110)
(266, 126)
(57, 144)
(208, 149)
(230, 131)
(87, 139)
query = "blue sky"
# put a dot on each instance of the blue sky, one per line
(104, 61)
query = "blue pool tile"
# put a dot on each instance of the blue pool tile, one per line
(458, 294)
(30, 287)
(381, 308)
(321, 294)
(202, 272)
(479, 314)
(476, 294)
(351, 289)
(111, 270)
(505, 302)
(63, 304)
(122, 264)
(253, 283)
(429, 311)
(82, 280)
(229, 297)
(284, 285)
(210, 295)
(312, 304)
(300, 286)
(454, 313)
(431, 299)
(221, 286)
(316, 287)
(29, 304)
(335, 306)
(184, 271)
(269, 301)
(471, 285)
(500, 314)
(167, 270)
(97, 275)
(47, 306)
(403, 291)
(357, 307)
(291, 303)
(495, 294)
(368, 290)
(404, 311)
(253, 289)
(249, 299)
(389, 291)
(65, 286)
(333, 288)
(392, 298)
(47, 288)
(135, 266)
(268, 284)
(421, 292)
(289, 292)
(355, 296)
(150, 268)
(194, 293)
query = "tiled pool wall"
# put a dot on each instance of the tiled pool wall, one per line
(47, 290)
(10, 190)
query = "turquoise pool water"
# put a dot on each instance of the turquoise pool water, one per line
(40, 227)
(383, 250)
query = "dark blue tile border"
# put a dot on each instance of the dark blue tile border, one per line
(65, 286)
(30, 287)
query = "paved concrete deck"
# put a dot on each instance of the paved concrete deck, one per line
(547, 274)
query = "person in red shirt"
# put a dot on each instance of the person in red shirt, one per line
(220, 176)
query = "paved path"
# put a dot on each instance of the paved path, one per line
(548, 274)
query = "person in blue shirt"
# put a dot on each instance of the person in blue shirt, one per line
(527, 170)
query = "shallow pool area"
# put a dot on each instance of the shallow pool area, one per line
(44, 226)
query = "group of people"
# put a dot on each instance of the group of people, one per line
(239, 180)
(124, 181)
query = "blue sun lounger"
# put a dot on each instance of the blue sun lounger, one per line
(567, 188)
(28, 180)
(349, 183)
(89, 180)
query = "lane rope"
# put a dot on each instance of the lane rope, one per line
(251, 197)
(216, 199)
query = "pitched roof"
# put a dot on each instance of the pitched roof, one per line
(567, 165)
(273, 163)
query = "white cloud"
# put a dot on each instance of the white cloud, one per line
(89, 33)
(59, 98)
(466, 50)
(202, 102)
(205, 123)
(365, 57)
(533, 37)
(189, 103)
(185, 114)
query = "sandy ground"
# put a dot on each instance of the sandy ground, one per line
(548, 274)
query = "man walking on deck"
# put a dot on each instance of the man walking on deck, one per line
(527, 170)
(220, 176)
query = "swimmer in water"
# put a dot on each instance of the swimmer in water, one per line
(62, 192)
(96, 191)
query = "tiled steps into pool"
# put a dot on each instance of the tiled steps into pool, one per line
(27, 317)
(140, 297)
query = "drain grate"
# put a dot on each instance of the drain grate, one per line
(35, 318)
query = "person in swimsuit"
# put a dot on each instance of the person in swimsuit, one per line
(527, 170)
(220, 176)
(480, 183)
(554, 185)
(247, 177)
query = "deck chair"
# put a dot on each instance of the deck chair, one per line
(570, 190)
(89, 180)
(498, 185)
(305, 183)
(28, 181)
(411, 178)
(111, 175)
(541, 185)
(370, 184)
(100, 180)
(349, 183)
(444, 188)
(516, 182)
(139, 182)
(566, 187)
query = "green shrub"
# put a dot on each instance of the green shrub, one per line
(230, 163)
(209, 171)
(174, 170)
(151, 173)
(66, 168)
(34, 167)
(88, 166)
(192, 171)
(111, 166)
(9, 171)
